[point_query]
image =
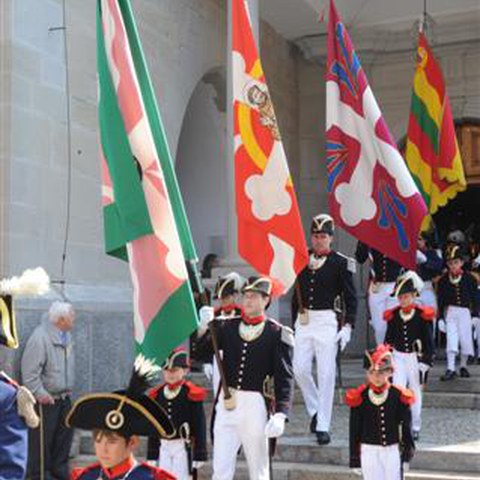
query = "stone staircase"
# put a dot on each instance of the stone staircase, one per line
(449, 447)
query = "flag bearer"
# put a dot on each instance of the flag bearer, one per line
(327, 277)
(257, 355)
(384, 272)
(227, 290)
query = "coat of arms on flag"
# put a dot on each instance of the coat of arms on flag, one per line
(270, 232)
(371, 192)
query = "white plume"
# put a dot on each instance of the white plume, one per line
(32, 282)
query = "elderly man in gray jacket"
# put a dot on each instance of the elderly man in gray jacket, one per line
(47, 368)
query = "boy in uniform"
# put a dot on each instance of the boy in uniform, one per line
(380, 421)
(117, 420)
(458, 306)
(410, 333)
(183, 454)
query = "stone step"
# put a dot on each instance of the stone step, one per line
(301, 471)
(457, 458)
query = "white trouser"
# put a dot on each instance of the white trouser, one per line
(407, 374)
(317, 339)
(379, 300)
(245, 426)
(476, 327)
(428, 296)
(459, 330)
(174, 459)
(380, 463)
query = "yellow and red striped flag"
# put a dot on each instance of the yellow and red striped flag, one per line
(432, 152)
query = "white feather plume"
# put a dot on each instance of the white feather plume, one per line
(414, 277)
(145, 367)
(32, 282)
(238, 280)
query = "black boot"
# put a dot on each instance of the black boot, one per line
(313, 424)
(323, 438)
(464, 373)
(449, 375)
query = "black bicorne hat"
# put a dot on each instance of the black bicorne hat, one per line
(228, 285)
(261, 285)
(454, 252)
(126, 412)
(178, 358)
(408, 282)
(322, 223)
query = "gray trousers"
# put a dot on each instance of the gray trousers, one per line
(57, 440)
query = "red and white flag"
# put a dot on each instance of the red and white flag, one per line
(371, 192)
(270, 232)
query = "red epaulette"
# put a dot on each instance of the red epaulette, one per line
(158, 473)
(389, 314)
(427, 313)
(79, 471)
(353, 397)
(195, 393)
(153, 393)
(406, 395)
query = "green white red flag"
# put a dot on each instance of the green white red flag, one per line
(144, 218)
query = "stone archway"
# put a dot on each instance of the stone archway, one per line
(200, 164)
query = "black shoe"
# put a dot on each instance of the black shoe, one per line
(449, 375)
(313, 424)
(416, 436)
(323, 438)
(478, 361)
(464, 373)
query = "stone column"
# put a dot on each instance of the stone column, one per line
(232, 257)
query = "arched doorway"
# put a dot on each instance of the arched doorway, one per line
(200, 164)
(463, 212)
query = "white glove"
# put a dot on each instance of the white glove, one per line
(441, 325)
(152, 463)
(344, 336)
(476, 262)
(197, 465)
(208, 371)
(476, 324)
(421, 257)
(357, 471)
(275, 426)
(423, 367)
(206, 315)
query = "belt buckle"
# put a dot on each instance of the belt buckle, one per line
(303, 318)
